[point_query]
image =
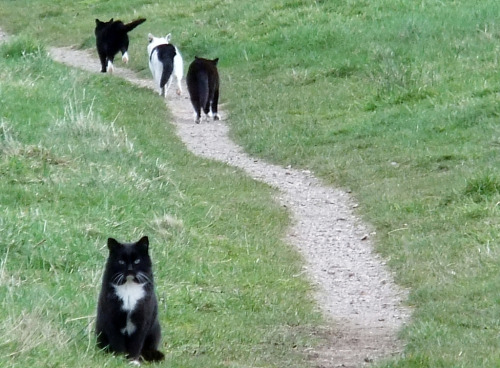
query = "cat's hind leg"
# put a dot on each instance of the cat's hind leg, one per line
(124, 50)
(197, 115)
(197, 108)
(109, 64)
(110, 68)
(195, 101)
(103, 60)
(153, 355)
(150, 352)
(166, 78)
(167, 85)
(207, 111)
(179, 86)
(178, 71)
(125, 57)
(214, 104)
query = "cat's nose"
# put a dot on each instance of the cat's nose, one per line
(129, 268)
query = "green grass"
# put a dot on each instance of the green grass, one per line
(397, 101)
(85, 157)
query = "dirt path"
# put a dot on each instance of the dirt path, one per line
(354, 290)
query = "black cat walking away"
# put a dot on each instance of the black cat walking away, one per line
(112, 37)
(127, 311)
(203, 85)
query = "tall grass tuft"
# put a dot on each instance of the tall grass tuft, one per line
(483, 187)
(21, 47)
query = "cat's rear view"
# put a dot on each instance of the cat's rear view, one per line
(112, 37)
(165, 62)
(203, 85)
(127, 311)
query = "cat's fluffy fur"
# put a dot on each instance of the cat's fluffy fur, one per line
(165, 61)
(112, 37)
(127, 311)
(203, 85)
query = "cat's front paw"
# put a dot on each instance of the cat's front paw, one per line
(135, 362)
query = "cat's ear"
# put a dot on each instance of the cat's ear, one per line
(112, 244)
(111, 20)
(215, 61)
(143, 243)
(97, 21)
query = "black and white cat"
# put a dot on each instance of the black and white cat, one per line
(112, 37)
(127, 310)
(165, 61)
(203, 85)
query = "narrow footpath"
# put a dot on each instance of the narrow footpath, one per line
(353, 288)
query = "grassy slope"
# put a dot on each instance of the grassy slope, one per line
(78, 164)
(396, 100)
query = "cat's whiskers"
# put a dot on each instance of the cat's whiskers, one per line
(118, 278)
(143, 278)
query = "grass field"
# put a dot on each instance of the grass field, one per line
(397, 101)
(80, 164)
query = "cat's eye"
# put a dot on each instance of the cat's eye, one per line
(121, 262)
(137, 261)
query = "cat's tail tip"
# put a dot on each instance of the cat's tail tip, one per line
(130, 26)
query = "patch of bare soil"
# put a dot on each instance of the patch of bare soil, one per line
(353, 288)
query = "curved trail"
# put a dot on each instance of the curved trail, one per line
(353, 288)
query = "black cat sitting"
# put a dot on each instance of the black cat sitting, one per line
(127, 311)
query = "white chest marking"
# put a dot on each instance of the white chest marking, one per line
(129, 293)
(129, 328)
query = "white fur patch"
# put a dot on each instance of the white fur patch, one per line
(129, 328)
(125, 57)
(129, 293)
(110, 68)
(156, 66)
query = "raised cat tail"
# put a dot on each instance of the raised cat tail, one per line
(130, 26)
